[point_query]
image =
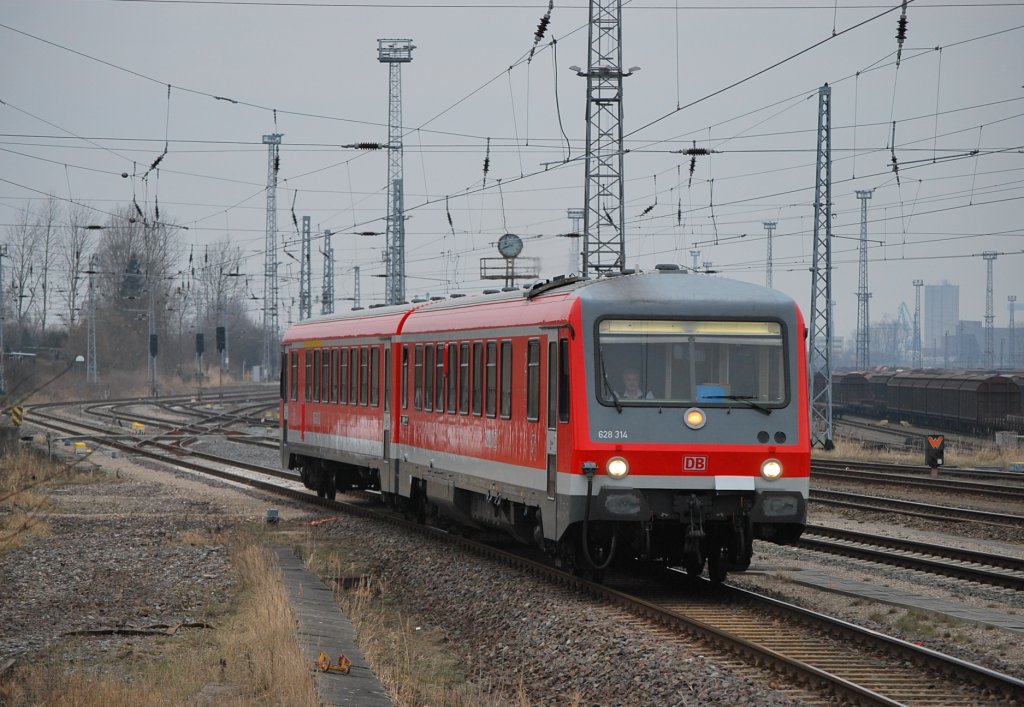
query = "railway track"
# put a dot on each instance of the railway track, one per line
(1010, 487)
(185, 432)
(920, 471)
(984, 568)
(896, 437)
(930, 511)
(859, 665)
(825, 655)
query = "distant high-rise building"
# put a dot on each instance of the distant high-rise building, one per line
(941, 315)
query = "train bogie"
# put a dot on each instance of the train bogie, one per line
(657, 418)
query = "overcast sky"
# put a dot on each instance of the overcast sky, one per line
(85, 99)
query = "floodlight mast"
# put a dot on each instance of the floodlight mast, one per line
(395, 52)
(863, 294)
(918, 362)
(990, 349)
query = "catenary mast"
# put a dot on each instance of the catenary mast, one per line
(821, 281)
(270, 313)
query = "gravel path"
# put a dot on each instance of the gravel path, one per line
(136, 548)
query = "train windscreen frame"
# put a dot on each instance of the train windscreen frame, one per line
(676, 362)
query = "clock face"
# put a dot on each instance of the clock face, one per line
(510, 245)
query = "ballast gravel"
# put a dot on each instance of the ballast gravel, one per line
(141, 549)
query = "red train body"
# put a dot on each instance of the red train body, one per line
(509, 411)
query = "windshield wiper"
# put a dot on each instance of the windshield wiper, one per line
(743, 399)
(604, 375)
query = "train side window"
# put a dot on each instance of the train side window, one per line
(439, 379)
(343, 377)
(375, 376)
(533, 380)
(491, 399)
(353, 377)
(309, 375)
(428, 379)
(506, 379)
(563, 380)
(453, 378)
(325, 375)
(364, 375)
(464, 379)
(334, 375)
(418, 378)
(552, 383)
(294, 380)
(478, 377)
(316, 375)
(405, 376)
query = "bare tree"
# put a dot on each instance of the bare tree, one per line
(74, 256)
(47, 230)
(136, 261)
(20, 271)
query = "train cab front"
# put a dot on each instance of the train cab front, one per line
(697, 440)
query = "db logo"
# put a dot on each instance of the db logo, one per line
(695, 463)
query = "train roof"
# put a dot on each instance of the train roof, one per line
(658, 293)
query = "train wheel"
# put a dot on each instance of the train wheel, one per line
(330, 487)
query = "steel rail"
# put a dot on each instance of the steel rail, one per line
(983, 575)
(912, 508)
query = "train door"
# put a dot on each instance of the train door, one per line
(552, 424)
(386, 452)
(289, 388)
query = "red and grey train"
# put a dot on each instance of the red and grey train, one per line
(511, 411)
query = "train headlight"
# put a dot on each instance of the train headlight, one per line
(617, 467)
(694, 418)
(771, 468)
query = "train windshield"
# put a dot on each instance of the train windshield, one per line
(676, 362)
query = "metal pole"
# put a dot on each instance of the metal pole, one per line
(270, 313)
(604, 220)
(153, 346)
(1012, 299)
(327, 297)
(305, 273)
(821, 282)
(3, 319)
(770, 227)
(917, 323)
(394, 53)
(863, 318)
(990, 316)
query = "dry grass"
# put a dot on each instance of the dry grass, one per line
(412, 662)
(22, 474)
(981, 455)
(251, 657)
